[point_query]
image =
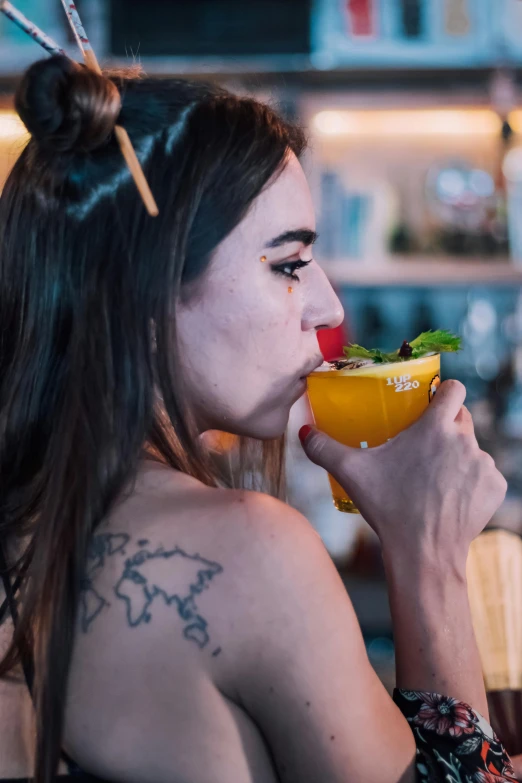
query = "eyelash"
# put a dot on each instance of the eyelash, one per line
(293, 266)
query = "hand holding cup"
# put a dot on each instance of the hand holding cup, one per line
(429, 491)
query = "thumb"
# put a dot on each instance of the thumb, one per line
(323, 450)
(448, 402)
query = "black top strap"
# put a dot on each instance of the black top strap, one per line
(4, 608)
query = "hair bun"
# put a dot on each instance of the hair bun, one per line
(66, 106)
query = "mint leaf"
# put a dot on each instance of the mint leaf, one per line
(385, 358)
(438, 341)
(353, 351)
(378, 357)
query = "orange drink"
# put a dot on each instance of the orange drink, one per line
(367, 406)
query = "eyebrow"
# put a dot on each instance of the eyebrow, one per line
(304, 235)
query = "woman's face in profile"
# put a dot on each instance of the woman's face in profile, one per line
(249, 336)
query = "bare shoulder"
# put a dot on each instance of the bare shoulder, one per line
(171, 586)
(174, 549)
(191, 569)
(200, 603)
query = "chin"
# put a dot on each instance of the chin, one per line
(265, 420)
(271, 425)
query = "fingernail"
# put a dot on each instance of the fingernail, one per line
(304, 432)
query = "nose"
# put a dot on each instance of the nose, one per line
(323, 309)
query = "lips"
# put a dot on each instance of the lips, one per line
(311, 367)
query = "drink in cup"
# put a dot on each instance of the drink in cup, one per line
(363, 404)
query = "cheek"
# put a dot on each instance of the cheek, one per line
(251, 334)
(240, 355)
(275, 350)
(256, 322)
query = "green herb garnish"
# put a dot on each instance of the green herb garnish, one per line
(439, 341)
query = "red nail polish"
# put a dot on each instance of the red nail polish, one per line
(304, 432)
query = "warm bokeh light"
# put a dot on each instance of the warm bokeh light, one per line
(515, 120)
(11, 126)
(408, 122)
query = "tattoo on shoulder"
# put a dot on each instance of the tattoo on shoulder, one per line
(148, 575)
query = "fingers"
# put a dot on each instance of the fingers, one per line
(325, 451)
(465, 421)
(463, 416)
(447, 403)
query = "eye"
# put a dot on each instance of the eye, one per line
(289, 268)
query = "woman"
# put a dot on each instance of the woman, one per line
(178, 630)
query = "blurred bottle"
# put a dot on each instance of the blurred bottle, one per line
(356, 217)
(362, 18)
(330, 214)
(412, 18)
(504, 97)
(512, 168)
(456, 17)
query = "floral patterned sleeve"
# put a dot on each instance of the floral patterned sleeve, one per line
(454, 743)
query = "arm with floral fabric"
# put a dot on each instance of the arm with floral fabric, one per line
(435, 644)
(427, 494)
(454, 743)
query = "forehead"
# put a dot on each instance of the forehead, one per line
(285, 203)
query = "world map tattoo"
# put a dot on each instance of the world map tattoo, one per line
(148, 576)
(101, 547)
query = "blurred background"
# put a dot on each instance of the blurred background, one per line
(414, 113)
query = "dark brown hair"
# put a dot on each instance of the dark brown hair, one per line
(84, 272)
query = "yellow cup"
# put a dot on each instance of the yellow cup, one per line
(366, 407)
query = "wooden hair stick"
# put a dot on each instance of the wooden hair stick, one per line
(28, 27)
(121, 134)
(50, 46)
